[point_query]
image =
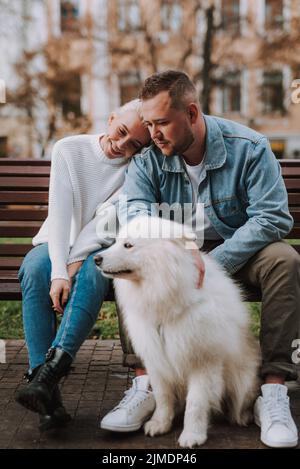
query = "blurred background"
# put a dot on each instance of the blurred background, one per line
(67, 64)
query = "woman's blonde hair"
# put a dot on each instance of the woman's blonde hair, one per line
(134, 105)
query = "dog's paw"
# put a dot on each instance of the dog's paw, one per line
(190, 439)
(156, 427)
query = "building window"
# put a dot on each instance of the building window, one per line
(130, 85)
(129, 18)
(278, 148)
(231, 16)
(3, 147)
(231, 87)
(70, 93)
(69, 14)
(171, 15)
(274, 14)
(272, 92)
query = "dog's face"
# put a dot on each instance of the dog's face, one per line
(124, 258)
(138, 248)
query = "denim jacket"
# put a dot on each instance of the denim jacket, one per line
(241, 187)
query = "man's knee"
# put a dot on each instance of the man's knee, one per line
(281, 256)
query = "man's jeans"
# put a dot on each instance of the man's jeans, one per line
(80, 313)
(276, 271)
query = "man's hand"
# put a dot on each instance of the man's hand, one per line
(59, 293)
(73, 269)
(199, 264)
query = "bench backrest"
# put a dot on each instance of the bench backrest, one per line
(24, 187)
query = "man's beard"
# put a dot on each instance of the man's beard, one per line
(181, 147)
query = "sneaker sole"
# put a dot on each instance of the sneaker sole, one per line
(114, 428)
(290, 444)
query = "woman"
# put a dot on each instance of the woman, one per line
(86, 171)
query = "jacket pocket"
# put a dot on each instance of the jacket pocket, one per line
(231, 211)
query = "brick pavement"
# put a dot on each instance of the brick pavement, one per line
(94, 386)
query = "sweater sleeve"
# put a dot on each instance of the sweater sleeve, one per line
(99, 232)
(59, 213)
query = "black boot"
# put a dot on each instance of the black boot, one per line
(59, 416)
(42, 392)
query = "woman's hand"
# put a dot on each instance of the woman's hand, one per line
(60, 288)
(59, 293)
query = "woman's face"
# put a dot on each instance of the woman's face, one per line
(126, 135)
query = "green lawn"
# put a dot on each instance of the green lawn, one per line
(11, 327)
(106, 326)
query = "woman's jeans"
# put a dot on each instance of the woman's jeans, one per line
(80, 313)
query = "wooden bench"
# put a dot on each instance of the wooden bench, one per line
(24, 187)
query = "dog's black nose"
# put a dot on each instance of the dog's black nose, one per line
(98, 260)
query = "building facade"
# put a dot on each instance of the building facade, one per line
(90, 56)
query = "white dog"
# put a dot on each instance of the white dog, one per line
(194, 342)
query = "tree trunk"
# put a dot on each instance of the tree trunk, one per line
(207, 62)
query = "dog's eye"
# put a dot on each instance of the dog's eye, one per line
(128, 245)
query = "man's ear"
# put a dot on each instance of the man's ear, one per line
(193, 112)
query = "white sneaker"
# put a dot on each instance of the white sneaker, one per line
(272, 413)
(134, 410)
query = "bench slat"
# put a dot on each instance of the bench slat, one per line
(32, 171)
(295, 212)
(10, 291)
(10, 263)
(290, 162)
(294, 199)
(295, 233)
(292, 184)
(24, 198)
(9, 250)
(15, 229)
(9, 276)
(290, 171)
(24, 162)
(26, 183)
(23, 214)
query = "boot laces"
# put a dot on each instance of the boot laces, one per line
(47, 374)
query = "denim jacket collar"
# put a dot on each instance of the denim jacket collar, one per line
(215, 150)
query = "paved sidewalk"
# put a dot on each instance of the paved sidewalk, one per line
(94, 386)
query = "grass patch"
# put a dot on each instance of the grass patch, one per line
(15, 241)
(255, 310)
(11, 324)
(106, 326)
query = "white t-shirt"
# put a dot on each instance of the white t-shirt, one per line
(198, 213)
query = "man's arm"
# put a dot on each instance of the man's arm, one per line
(269, 217)
(138, 193)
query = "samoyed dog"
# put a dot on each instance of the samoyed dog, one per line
(194, 342)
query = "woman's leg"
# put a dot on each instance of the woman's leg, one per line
(82, 309)
(39, 319)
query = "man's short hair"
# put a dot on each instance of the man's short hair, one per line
(178, 84)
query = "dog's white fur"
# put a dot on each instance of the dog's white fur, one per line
(195, 343)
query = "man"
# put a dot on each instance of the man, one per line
(232, 171)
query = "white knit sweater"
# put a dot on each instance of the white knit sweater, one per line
(81, 179)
